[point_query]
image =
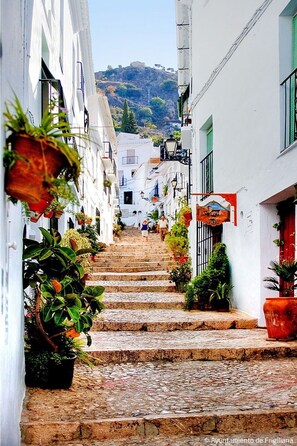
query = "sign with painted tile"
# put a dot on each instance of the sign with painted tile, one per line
(212, 214)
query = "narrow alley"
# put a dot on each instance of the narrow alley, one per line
(164, 376)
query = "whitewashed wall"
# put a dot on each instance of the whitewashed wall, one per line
(11, 296)
(30, 30)
(238, 60)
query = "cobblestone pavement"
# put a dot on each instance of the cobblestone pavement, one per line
(142, 389)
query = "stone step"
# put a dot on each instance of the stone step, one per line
(212, 345)
(120, 276)
(143, 301)
(171, 320)
(272, 437)
(135, 263)
(135, 286)
(141, 257)
(142, 267)
(150, 400)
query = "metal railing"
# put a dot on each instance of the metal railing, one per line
(289, 104)
(207, 173)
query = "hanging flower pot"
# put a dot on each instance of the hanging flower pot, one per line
(49, 214)
(36, 162)
(187, 218)
(42, 204)
(35, 216)
(58, 214)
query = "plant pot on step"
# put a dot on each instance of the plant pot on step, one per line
(47, 373)
(37, 161)
(281, 318)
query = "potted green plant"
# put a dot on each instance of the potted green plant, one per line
(281, 312)
(201, 287)
(58, 308)
(178, 242)
(37, 154)
(80, 217)
(220, 297)
(181, 275)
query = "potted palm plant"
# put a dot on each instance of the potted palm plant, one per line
(58, 308)
(281, 312)
(35, 155)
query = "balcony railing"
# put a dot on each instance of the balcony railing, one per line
(207, 173)
(107, 150)
(289, 103)
(129, 160)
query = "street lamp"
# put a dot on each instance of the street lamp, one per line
(171, 150)
(143, 197)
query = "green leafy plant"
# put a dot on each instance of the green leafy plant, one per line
(178, 241)
(201, 287)
(59, 306)
(285, 277)
(78, 241)
(181, 273)
(91, 235)
(80, 216)
(220, 296)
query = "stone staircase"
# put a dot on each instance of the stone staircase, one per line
(163, 376)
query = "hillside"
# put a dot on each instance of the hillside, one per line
(151, 94)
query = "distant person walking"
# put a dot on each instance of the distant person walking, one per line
(163, 227)
(144, 230)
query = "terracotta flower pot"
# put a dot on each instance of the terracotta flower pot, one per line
(38, 161)
(42, 204)
(58, 214)
(281, 318)
(49, 214)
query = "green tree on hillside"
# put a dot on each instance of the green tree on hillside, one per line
(129, 124)
(158, 106)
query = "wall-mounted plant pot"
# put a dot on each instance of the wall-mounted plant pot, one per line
(281, 318)
(187, 218)
(58, 214)
(36, 162)
(35, 216)
(42, 204)
(49, 214)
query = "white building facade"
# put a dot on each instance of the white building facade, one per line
(237, 63)
(46, 54)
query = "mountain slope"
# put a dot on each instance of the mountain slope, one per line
(151, 94)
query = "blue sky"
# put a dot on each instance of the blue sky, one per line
(125, 31)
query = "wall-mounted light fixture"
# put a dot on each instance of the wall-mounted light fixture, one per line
(143, 197)
(171, 150)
